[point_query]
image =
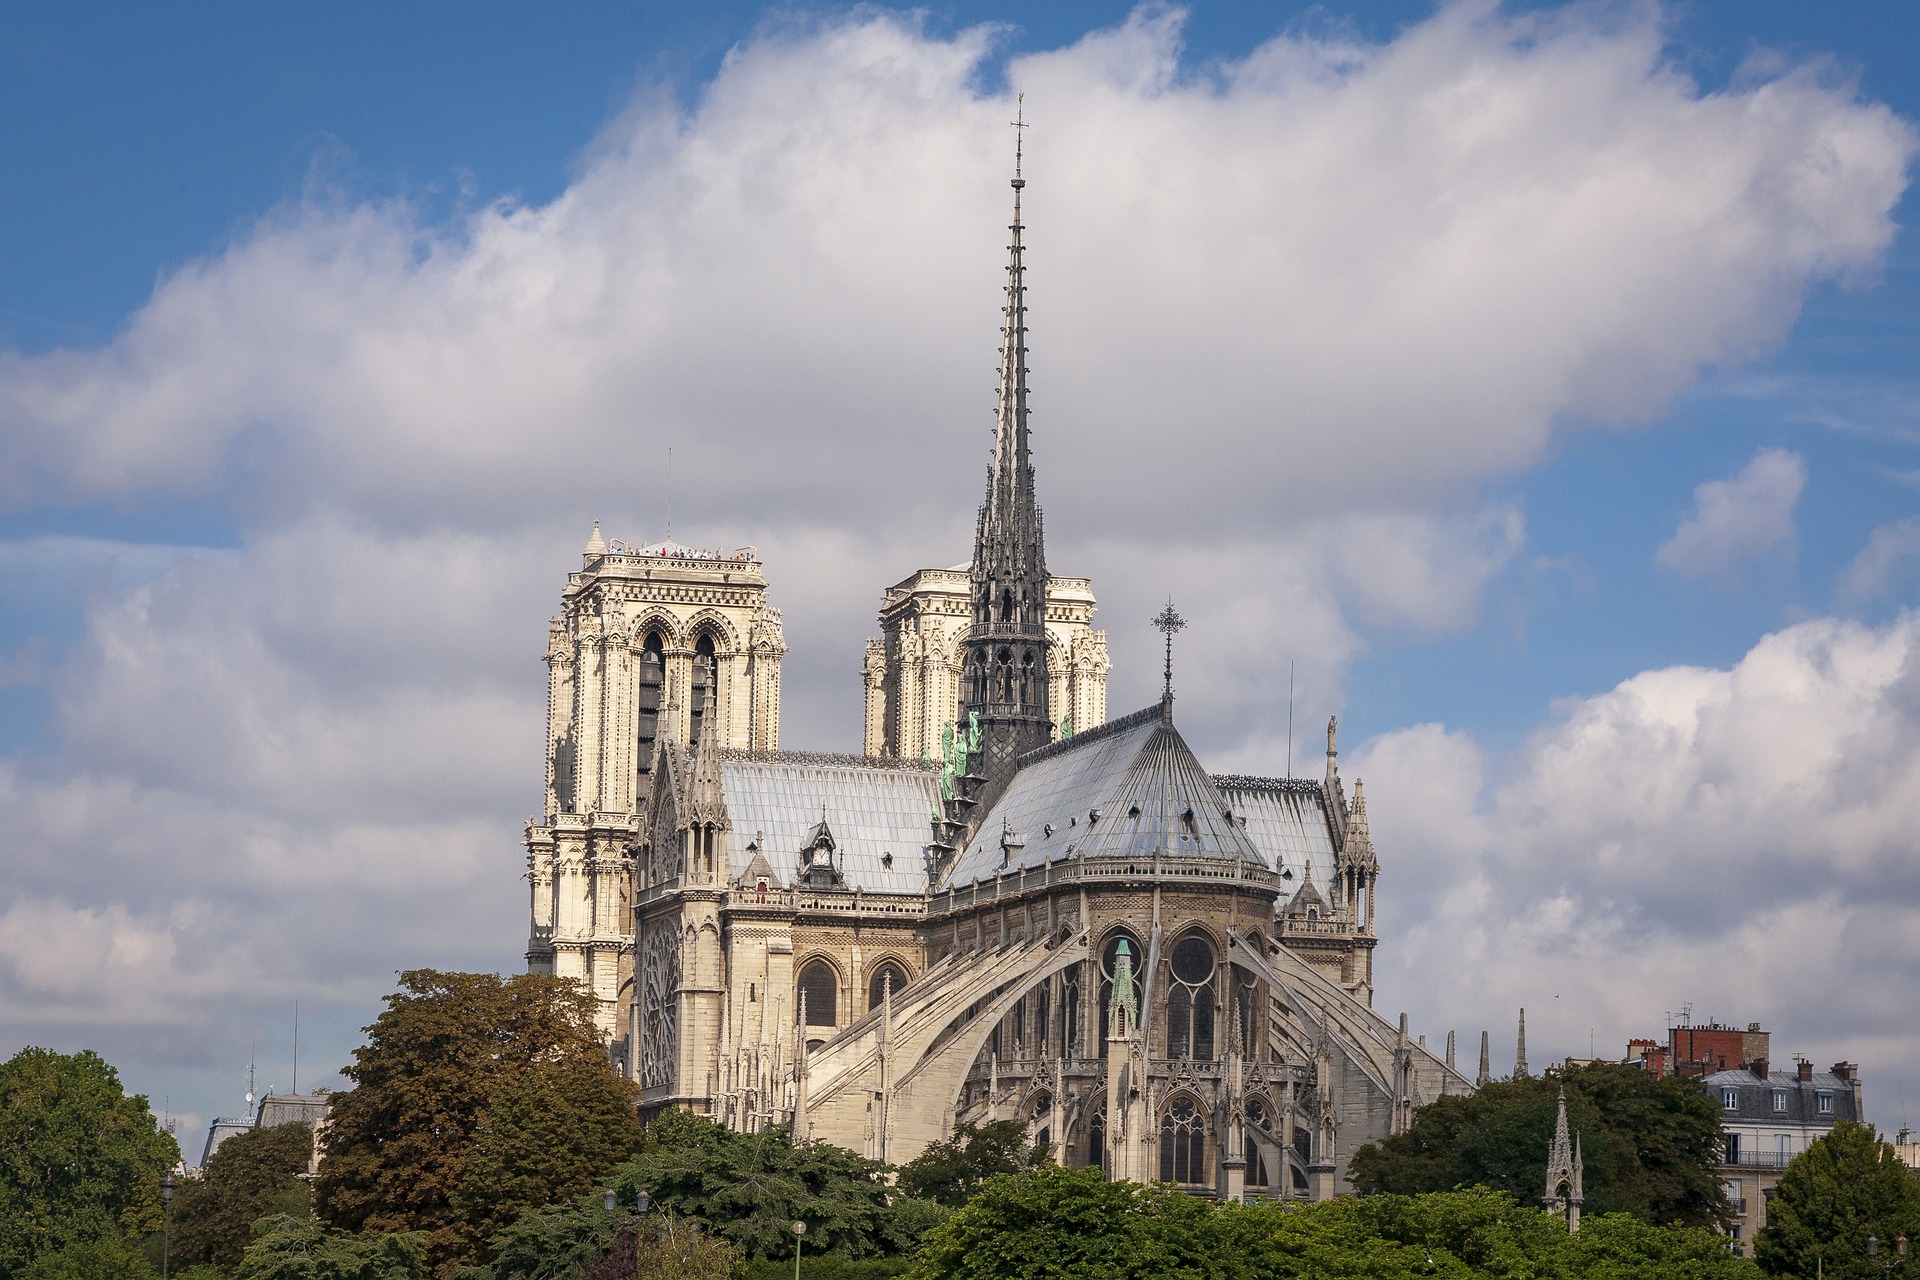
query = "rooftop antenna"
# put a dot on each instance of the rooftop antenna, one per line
(1168, 622)
(296, 1046)
(249, 1078)
(1289, 717)
(669, 493)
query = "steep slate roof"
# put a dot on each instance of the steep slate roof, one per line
(1137, 773)
(875, 809)
(1287, 821)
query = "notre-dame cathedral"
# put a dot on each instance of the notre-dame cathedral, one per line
(1010, 907)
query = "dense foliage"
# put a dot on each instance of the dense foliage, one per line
(1843, 1188)
(80, 1161)
(585, 1242)
(1056, 1223)
(94, 1260)
(286, 1248)
(952, 1169)
(253, 1175)
(475, 1098)
(749, 1189)
(1650, 1145)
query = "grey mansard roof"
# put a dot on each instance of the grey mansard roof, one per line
(880, 813)
(1128, 789)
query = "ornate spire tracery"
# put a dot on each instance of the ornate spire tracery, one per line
(1006, 670)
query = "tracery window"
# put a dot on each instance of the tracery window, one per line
(1042, 1007)
(1190, 1000)
(659, 1006)
(1259, 1116)
(1097, 1141)
(647, 715)
(820, 986)
(703, 687)
(886, 975)
(1108, 956)
(1250, 1012)
(1070, 1012)
(1183, 1143)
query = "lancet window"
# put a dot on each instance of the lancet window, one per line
(703, 687)
(1108, 956)
(1190, 1000)
(1183, 1143)
(886, 975)
(821, 987)
(647, 714)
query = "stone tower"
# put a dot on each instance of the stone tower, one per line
(1004, 673)
(653, 643)
(1564, 1194)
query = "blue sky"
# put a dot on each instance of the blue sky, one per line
(215, 147)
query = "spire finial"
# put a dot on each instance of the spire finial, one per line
(1168, 622)
(1019, 145)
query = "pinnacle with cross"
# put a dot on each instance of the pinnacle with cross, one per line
(1168, 622)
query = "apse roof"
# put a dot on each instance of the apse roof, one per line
(880, 814)
(1128, 789)
(1286, 819)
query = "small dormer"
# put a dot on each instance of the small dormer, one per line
(819, 863)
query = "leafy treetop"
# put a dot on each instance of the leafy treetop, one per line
(1843, 1188)
(80, 1160)
(1650, 1146)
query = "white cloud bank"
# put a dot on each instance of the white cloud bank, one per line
(1739, 839)
(1739, 518)
(1288, 314)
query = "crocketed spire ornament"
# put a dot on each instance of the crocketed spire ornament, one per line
(1564, 1193)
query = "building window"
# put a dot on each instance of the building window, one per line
(1730, 1099)
(1780, 1100)
(1823, 1102)
(887, 976)
(703, 688)
(1109, 958)
(1733, 1148)
(820, 988)
(1183, 1144)
(1190, 1003)
(1097, 1141)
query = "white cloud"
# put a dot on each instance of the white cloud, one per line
(1741, 839)
(1889, 558)
(1288, 314)
(1739, 518)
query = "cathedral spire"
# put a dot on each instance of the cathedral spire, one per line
(1006, 673)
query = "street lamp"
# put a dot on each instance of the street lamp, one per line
(166, 1224)
(1899, 1249)
(641, 1201)
(609, 1200)
(799, 1230)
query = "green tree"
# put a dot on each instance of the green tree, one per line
(1650, 1145)
(553, 1134)
(1843, 1188)
(287, 1248)
(94, 1260)
(447, 1049)
(950, 1170)
(253, 1175)
(1058, 1223)
(749, 1188)
(80, 1160)
(1054, 1224)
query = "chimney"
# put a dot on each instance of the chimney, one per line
(1805, 1072)
(1759, 1067)
(1844, 1070)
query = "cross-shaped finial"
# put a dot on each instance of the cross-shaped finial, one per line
(1169, 622)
